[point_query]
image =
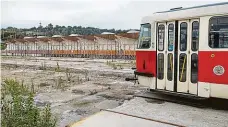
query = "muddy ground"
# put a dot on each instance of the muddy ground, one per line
(74, 87)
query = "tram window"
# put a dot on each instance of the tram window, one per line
(170, 37)
(160, 65)
(161, 37)
(183, 36)
(194, 68)
(170, 67)
(145, 36)
(195, 36)
(182, 67)
(218, 32)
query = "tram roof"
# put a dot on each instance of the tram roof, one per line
(186, 13)
(178, 9)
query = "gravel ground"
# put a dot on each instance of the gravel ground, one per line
(175, 113)
(79, 88)
(122, 67)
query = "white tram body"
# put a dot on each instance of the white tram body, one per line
(184, 51)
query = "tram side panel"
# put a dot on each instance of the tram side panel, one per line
(213, 63)
(146, 64)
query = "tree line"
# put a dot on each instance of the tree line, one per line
(50, 30)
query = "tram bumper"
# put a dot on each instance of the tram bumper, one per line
(139, 74)
(143, 74)
(145, 79)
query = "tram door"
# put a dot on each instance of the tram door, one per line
(177, 56)
(165, 55)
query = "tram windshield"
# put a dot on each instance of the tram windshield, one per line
(145, 36)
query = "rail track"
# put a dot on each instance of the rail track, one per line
(150, 119)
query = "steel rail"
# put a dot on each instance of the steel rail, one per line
(150, 119)
(198, 105)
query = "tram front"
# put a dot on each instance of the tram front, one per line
(146, 56)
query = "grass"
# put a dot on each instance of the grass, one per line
(119, 66)
(19, 110)
(81, 104)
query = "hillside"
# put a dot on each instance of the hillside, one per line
(50, 30)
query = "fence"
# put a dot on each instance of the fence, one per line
(81, 48)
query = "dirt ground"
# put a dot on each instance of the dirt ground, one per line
(74, 87)
(180, 114)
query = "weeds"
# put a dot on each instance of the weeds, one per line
(92, 92)
(57, 69)
(44, 84)
(82, 104)
(87, 75)
(76, 91)
(68, 75)
(79, 79)
(121, 67)
(133, 63)
(59, 83)
(115, 65)
(15, 65)
(18, 109)
(32, 86)
(43, 66)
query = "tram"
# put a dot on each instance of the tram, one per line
(185, 51)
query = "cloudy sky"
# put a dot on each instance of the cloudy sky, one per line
(118, 14)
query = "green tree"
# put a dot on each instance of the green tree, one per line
(3, 46)
(50, 26)
(50, 30)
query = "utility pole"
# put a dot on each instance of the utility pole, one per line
(15, 33)
(2, 34)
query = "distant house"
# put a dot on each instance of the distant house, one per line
(133, 31)
(74, 35)
(27, 37)
(57, 36)
(107, 33)
(41, 36)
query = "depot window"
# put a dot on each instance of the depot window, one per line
(218, 32)
(145, 36)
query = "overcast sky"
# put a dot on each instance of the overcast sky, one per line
(118, 14)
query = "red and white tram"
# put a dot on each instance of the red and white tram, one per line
(185, 51)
